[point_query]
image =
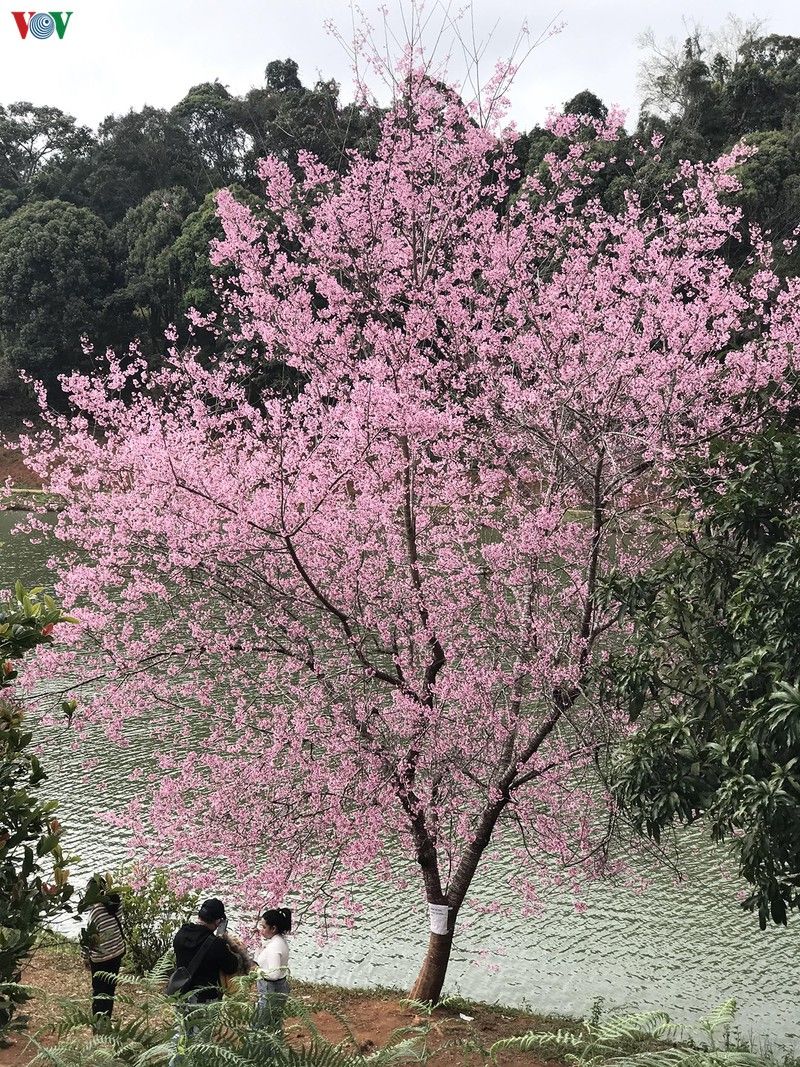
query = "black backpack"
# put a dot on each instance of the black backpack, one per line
(180, 981)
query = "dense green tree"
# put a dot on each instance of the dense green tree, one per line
(586, 103)
(762, 91)
(771, 183)
(711, 672)
(213, 120)
(190, 252)
(284, 117)
(9, 202)
(31, 138)
(703, 101)
(282, 76)
(145, 238)
(138, 153)
(67, 177)
(55, 278)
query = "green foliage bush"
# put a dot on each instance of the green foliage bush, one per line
(148, 1030)
(151, 913)
(711, 672)
(33, 868)
(56, 274)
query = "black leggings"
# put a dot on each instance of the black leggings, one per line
(103, 988)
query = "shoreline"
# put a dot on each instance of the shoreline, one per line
(20, 489)
(12, 465)
(22, 499)
(457, 1033)
(366, 1019)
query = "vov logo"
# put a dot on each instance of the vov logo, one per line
(42, 24)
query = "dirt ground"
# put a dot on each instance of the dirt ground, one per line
(13, 416)
(11, 466)
(372, 1018)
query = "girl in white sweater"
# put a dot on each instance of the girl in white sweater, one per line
(273, 965)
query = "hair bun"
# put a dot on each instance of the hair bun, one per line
(280, 918)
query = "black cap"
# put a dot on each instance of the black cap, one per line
(211, 910)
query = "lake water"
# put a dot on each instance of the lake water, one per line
(679, 949)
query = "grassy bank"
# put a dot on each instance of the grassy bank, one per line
(365, 1020)
(459, 1033)
(21, 499)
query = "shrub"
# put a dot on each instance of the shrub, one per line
(149, 1032)
(33, 869)
(151, 913)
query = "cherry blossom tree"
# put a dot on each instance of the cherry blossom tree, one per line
(362, 618)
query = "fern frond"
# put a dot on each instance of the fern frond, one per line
(685, 1057)
(720, 1017)
(304, 1013)
(160, 1053)
(398, 1052)
(562, 1039)
(421, 1007)
(653, 1024)
(210, 1055)
(45, 1055)
(320, 1054)
(16, 988)
(159, 974)
(75, 1014)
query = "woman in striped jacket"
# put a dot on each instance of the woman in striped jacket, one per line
(103, 947)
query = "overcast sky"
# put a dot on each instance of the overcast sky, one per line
(119, 54)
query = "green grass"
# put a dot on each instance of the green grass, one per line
(22, 499)
(55, 943)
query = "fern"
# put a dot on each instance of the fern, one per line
(613, 1042)
(159, 975)
(720, 1018)
(319, 1055)
(561, 1039)
(427, 1007)
(652, 1024)
(687, 1057)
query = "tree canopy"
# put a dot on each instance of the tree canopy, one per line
(711, 672)
(145, 273)
(56, 274)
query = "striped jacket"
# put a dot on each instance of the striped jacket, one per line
(106, 941)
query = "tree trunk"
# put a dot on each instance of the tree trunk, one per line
(428, 986)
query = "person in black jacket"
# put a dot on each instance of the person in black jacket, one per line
(219, 958)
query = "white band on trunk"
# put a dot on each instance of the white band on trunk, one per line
(438, 914)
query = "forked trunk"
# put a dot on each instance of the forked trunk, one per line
(430, 980)
(428, 986)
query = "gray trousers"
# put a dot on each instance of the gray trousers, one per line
(271, 1003)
